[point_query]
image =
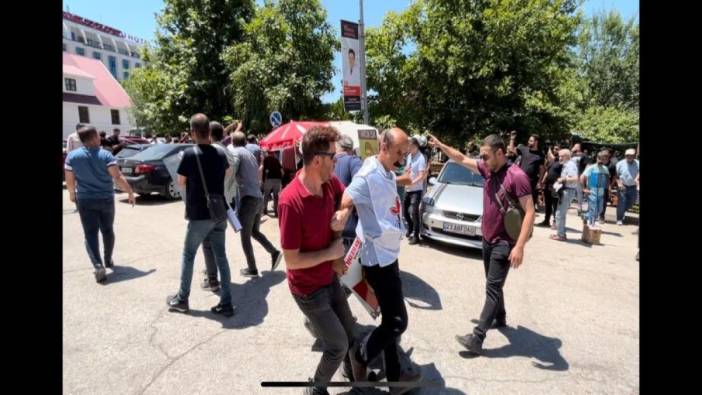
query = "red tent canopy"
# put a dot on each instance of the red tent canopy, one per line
(288, 134)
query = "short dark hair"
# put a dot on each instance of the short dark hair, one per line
(495, 142)
(316, 139)
(251, 139)
(116, 130)
(536, 137)
(216, 131)
(103, 134)
(86, 133)
(79, 126)
(200, 125)
(353, 52)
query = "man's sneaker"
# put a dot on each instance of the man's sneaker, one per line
(407, 376)
(109, 264)
(210, 285)
(360, 369)
(499, 323)
(248, 272)
(315, 390)
(276, 257)
(100, 274)
(544, 224)
(226, 310)
(175, 304)
(620, 223)
(471, 342)
(413, 241)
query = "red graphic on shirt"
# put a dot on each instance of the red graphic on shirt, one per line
(396, 210)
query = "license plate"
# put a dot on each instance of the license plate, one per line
(126, 170)
(459, 229)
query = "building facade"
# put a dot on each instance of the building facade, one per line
(118, 51)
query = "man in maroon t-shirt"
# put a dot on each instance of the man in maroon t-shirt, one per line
(311, 250)
(499, 250)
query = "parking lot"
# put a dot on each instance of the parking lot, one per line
(572, 313)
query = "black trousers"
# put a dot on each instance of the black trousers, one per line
(496, 262)
(551, 204)
(411, 212)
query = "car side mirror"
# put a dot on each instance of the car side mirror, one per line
(432, 181)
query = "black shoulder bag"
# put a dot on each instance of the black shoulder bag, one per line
(215, 203)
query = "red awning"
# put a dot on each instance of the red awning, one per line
(288, 134)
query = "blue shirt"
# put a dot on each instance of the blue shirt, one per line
(627, 172)
(597, 177)
(417, 164)
(255, 149)
(89, 165)
(346, 167)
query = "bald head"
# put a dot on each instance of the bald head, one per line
(394, 145)
(238, 139)
(200, 126)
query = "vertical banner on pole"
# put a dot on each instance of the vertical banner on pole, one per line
(350, 66)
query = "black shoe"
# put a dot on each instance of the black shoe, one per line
(175, 304)
(100, 274)
(408, 234)
(249, 273)
(413, 240)
(544, 224)
(315, 390)
(212, 285)
(110, 264)
(276, 257)
(359, 368)
(226, 310)
(471, 342)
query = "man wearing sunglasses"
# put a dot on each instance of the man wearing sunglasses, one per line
(499, 249)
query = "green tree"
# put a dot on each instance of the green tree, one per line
(184, 74)
(477, 67)
(284, 63)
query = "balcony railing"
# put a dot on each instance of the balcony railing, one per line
(136, 55)
(94, 44)
(123, 52)
(108, 47)
(79, 39)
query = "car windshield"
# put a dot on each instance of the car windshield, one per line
(454, 173)
(157, 152)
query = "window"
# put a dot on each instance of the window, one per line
(73, 36)
(115, 117)
(70, 84)
(112, 61)
(97, 55)
(137, 65)
(125, 64)
(64, 47)
(83, 114)
(80, 51)
(126, 75)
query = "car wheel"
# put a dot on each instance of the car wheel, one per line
(172, 191)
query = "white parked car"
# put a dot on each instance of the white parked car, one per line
(452, 209)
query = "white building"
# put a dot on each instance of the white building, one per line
(117, 51)
(92, 96)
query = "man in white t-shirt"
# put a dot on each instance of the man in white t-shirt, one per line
(417, 164)
(73, 141)
(373, 193)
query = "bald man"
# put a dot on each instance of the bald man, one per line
(373, 192)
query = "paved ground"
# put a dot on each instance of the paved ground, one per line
(573, 315)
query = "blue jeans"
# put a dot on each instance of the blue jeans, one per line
(563, 205)
(595, 206)
(627, 198)
(197, 232)
(97, 215)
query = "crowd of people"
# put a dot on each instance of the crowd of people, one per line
(333, 199)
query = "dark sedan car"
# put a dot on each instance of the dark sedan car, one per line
(130, 150)
(146, 171)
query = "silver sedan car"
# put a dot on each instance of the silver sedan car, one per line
(452, 208)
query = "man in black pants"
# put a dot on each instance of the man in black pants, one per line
(550, 196)
(417, 165)
(373, 192)
(504, 182)
(532, 162)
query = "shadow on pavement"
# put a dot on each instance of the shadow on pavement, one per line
(464, 252)
(526, 343)
(147, 200)
(125, 273)
(415, 289)
(249, 300)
